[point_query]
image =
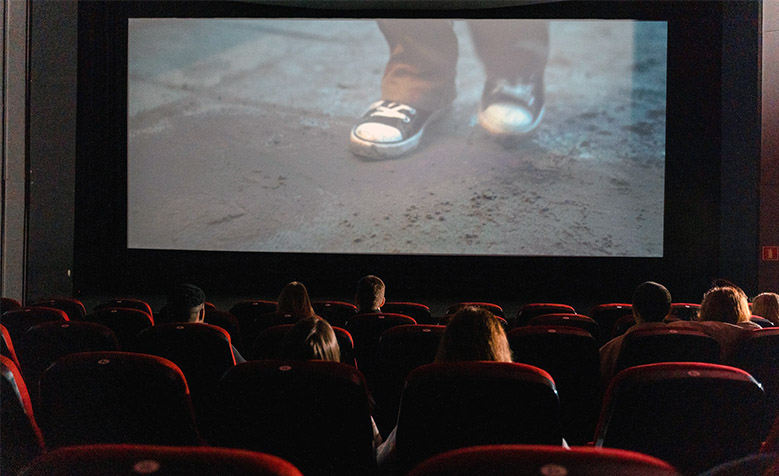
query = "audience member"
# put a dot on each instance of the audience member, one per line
(187, 303)
(766, 305)
(311, 338)
(294, 301)
(724, 315)
(471, 334)
(651, 303)
(370, 294)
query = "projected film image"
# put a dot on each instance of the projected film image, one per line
(414, 136)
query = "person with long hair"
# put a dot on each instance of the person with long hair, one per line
(473, 334)
(311, 338)
(294, 300)
(766, 305)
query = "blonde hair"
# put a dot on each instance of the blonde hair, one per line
(766, 305)
(473, 334)
(311, 338)
(294, 300)
(725, 304)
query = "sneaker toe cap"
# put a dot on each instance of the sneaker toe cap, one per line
(376, 132)
(508, 118)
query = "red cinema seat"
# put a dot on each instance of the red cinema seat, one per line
(533, 309)
(315, 414)
(126, 323)
(446, 406)
(9, 304)
(492, 307)
(335, 312)
(73, 307)
(20, 438)
(126, 303)
(115, 397)
(565, 319)
(417, 311)
(692, 415)
(19, 320)
(7, 348)
(606, 315)
(649, 346)
(366, 330)
(758, 354)
(134, 460)
(539, 460)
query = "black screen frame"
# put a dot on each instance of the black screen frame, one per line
(103, 264)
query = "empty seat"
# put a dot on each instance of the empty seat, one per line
(115, 397)
(570, 355)
(565, 319)
(43, 344)
(203, 353)
(541, 460)
(9, 304)
(758, 354)
(606, 315)
(247, 312)
(315, 414)
(335, 312)
(366, 329)
(692, 415)
(20, 438)
(401, 350)
(533, 309)
(228, 322)
(417, 311)
(492, 307)
(648, 346)
(132, 460)
(449, 405)
(73, 307)
(126, 323)
(19, 320)
(126, 303)
(684, 311)
(268, 344)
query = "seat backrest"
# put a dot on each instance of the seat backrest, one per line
(606, 315)
(115, 397)
(684, 311)
(495, 309)
(43, 344)
(203, 352)
(315, 414)
(571, 357)
(126, 323)
(366, 330)
(533, 309)
(335, 312)
(20, 438)
(401, 350)
(758, 354)
(19, 320)
(268, 343)
(692, 415)
(535, 460)
(457, 404)
(247, 312)
(73, 307)
(126, 303)
(418, 311)
(99, 460)
(228, 322)
(566, 319)
(9, 304)
(648, 346)
(7, 345)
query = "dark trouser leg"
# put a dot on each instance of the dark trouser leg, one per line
(511, 49)
(423, 62)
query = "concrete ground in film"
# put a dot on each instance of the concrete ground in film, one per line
(238, 140)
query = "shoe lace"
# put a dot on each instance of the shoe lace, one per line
(394, 110)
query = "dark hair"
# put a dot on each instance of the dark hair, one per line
(651, 301)
(725, 304)
(311, 338)
(294, 300)
(370, 292)
(473, 334)
(182, 299)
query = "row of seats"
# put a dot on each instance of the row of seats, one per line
(316, 414)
